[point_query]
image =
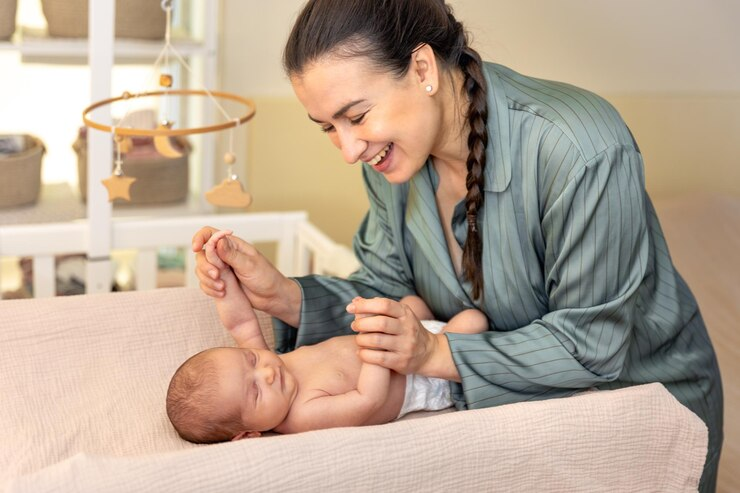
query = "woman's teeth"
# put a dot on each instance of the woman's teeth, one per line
(379, 157)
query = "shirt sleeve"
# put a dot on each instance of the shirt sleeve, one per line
(596, 257)
(383, 272)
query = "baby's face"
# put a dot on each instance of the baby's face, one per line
(256, 384)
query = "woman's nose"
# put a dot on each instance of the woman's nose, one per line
(351, 146)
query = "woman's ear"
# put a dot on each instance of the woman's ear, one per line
(246, 434)
(425, 69)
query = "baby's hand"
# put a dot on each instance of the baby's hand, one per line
(210, 248)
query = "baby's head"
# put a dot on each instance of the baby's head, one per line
(223, 394)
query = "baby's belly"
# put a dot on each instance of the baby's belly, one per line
(338, 371)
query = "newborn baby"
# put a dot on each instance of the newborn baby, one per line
(232, 393)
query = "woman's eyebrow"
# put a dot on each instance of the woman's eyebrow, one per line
(341, 111)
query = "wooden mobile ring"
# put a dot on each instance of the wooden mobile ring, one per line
(171, 132)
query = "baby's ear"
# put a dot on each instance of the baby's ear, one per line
(246, 434)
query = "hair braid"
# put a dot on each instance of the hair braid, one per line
(475, 88)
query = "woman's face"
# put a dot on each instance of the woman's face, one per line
(371, 116)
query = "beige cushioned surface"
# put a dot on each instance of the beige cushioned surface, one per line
(88, 375)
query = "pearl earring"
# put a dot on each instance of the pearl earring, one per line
(429, 88)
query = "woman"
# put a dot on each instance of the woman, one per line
(519, 197)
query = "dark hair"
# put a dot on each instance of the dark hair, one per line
(191, 405)
(387, 32)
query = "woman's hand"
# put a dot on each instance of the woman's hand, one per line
(267, 289)
(390, 335)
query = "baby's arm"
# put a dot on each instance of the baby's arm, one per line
(353, 408)
(234, 308)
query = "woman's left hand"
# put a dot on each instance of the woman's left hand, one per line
(390, 335)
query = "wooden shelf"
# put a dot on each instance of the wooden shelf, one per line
(36, 46)
(61, 222)
(60, 203)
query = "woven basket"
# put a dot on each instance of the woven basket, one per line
(20, 174)
(137, 19)
(7, 18)
(159, 180)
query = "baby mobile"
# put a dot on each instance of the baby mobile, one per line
(230, 192)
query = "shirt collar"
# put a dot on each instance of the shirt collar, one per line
(498, 152)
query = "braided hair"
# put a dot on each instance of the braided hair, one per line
(387, 32)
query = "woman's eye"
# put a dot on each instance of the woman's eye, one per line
(327, 129)
(358, 120)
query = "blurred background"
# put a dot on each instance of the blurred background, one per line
(671, 67)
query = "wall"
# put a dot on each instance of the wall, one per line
(669, 66)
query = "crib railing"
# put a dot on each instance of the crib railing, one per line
(301, 248)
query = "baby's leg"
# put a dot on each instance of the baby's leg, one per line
(470, 321)
(418, 306)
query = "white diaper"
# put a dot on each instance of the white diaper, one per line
(426, 393)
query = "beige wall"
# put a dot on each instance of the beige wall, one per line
(690, 142)
(669, 66)
(293, 166)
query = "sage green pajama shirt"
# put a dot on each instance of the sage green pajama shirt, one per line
(579, 287)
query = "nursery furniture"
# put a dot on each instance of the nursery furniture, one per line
(197, 41)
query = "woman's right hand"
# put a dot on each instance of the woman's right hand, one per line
(390, 335)
(267, 289)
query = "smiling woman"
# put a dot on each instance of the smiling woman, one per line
(520, 197)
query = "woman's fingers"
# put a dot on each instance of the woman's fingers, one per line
(377, 306)
(204, 269)
(389, 334)
(201, 237)
(208, 291)
(369, 323)
(385, 359)
(402, 343)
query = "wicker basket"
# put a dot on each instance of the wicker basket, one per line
(159, 180)
(20, 174)
(7, 18)
(136, 19)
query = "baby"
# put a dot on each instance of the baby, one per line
(232, 393)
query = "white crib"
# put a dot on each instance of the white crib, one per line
(301, 247)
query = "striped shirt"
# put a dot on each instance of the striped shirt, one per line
(579, 287)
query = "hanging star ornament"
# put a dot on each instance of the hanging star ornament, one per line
(119, 187)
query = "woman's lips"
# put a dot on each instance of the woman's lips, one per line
(384, 162)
